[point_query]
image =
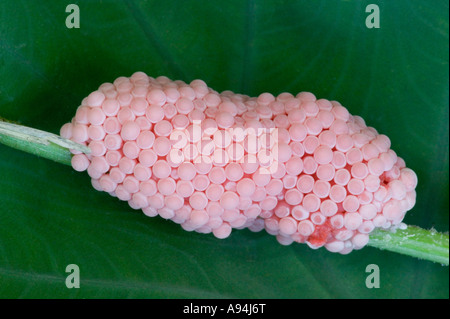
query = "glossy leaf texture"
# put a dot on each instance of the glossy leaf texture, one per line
(396, 77)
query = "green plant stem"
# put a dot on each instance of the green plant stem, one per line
(40, 143)
(412, 241)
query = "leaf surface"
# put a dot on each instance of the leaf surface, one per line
(395, 77)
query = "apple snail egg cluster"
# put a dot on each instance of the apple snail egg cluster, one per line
(303, 169)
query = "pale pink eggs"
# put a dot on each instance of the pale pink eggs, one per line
(303, 169)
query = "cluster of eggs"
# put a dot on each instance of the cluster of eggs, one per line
(303, 169)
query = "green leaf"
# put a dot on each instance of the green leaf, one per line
(395, 77)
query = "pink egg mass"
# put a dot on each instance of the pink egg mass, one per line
(303, 169)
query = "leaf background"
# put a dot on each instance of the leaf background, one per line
(395, 77)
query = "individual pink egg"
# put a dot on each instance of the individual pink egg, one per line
(147, 157)
(184, 188)
(173, 201)
(353, 156)
(79, 133)
(130, 131)
(344, 143)
(318, 219)
(223, 231)
(294, 166)
(117, 175)
(321, 188)
(144, 123)
(313, 126)
(217, 175)
(156, 201)
(298, 132)
(305, 227)
(337, 221)
(359, 170)
(214, 192)
(99, 163)
(203, 166)
(184, 105)
(352, 220)
(282, 210)
(296, 115)
(139, 200)
(201, 182)
(326, 118)
(311, 202)
(141, 172)
(339, 160)
(81, 116)
(154, 113)
(288, 225)
(372, 183)
(230, 215)
(293, 196)
(156, 97)
(299, 213)
(163, 128)
(112, 125)
(161, 169)
(397, 189)
(95, 99)
(261, 178)
(80, 162)
(198, 200)
(96, 116)
(309, 165)
(305, 183)
(139, 105)
(328, 208)
(246, 187)
(145, 139)
(96, 132)
(235, 152)
(66, 130)
(234, 172)
(186, 171)
(125, 114)
(355, 186)
(335, 246)
(325, 172)
(229, 200)
(274, 187)
(351, 203)
(131, 150)
(339, 127)
(122, 193)
(327, 138)
(289, 181)
(409, 178)
(268, 203)
(310, 144)
(162, 146)
(148, 187)
(131, 184)
(337, 193)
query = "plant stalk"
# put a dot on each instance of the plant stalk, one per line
(40, 143)
(413, 241)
